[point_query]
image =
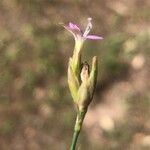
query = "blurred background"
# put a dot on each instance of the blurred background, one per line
(36, 108)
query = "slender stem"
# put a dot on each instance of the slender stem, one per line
(77, 127)
(74, 140)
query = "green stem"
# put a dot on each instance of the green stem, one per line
(74, 140)
(77, 127)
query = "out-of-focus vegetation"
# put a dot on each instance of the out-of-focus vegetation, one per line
(36, 109)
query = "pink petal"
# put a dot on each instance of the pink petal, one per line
(73, 26)
(94, 37)
(73, 29)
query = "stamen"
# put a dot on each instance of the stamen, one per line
(88, 27)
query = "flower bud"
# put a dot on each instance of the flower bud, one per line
(86, 89)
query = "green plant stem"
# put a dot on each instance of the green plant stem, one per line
(74, 140)
(77, 128)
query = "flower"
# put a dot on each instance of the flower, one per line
(81, 36)
(81, 80)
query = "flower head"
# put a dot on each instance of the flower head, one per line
(81, 36)
(81, 80)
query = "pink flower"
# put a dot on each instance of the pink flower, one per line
(79, 35)
(77, 32)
